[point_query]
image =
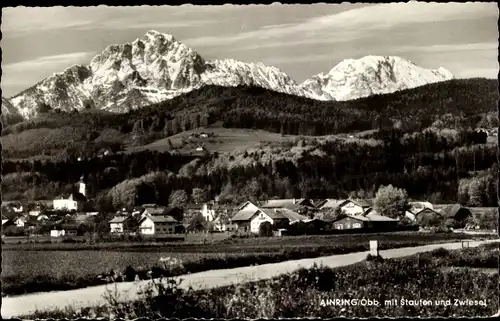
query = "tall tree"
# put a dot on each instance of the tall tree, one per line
(199, 195)
(391, 201)
(178, 198)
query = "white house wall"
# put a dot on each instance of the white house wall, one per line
(257, 220)
(352, 209)
(147, 227)
(57, 233)
(116, 227)
(65, 204)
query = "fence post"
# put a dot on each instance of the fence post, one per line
(374, 248)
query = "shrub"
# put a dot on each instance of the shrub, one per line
(374, 258)
(265, 229)
(440, 252)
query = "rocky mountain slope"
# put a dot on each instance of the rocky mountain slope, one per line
(10, 115)
(157, 67)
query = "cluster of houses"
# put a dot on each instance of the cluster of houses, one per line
(156, 220)
(151, 219)
(62, 216)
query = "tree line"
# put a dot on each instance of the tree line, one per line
(423, 164)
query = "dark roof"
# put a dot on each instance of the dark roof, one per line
(452, 210)
(244, 215)
(427, 210)
(286, 203)
(160, 219)
(373, 217)
(292, 215)
(359, 202)
(245, 203)
(356, 217)
(158, 210)
(331, 203)
(318, 202)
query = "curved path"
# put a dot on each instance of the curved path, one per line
(27, 304)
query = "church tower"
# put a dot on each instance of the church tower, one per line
(81, 186)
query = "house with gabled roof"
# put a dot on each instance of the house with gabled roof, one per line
(157, 225)
(369, 220)
(428, 217)
(330, 203)
(355, 206)
(456, 212)
(250, 219)
(122, 224)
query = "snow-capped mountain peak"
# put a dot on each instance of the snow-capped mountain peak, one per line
(356, 78)
(156, 67)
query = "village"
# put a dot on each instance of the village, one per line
(64, 218)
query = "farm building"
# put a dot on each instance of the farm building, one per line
(330, 204)
(119, 224)
(456, 212)
(65, 229)
(157, 225)
(250, 221)
(428, 217)
(351, 222)
(223, 224)
(291, 204)
(380, 221)
(355, 206)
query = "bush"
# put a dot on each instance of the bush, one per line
(266, 229)
(440, 252)
(129, 273)
(374, 258)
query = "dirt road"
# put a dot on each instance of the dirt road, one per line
(27, 304)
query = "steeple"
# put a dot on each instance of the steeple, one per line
(81, 186)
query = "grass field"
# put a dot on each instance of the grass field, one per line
(41, 267)
(449, 292)
(228, 140)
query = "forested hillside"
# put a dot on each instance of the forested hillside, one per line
(454, 104)
(430, 165)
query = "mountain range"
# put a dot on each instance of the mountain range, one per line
(157, 67)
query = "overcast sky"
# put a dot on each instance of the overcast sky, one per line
(302, 40)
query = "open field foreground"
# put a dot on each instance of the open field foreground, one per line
(30, 268)
(128, 291)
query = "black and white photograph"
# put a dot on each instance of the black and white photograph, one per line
(250, 161)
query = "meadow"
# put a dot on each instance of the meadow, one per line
(305, 293)
(31, 268)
